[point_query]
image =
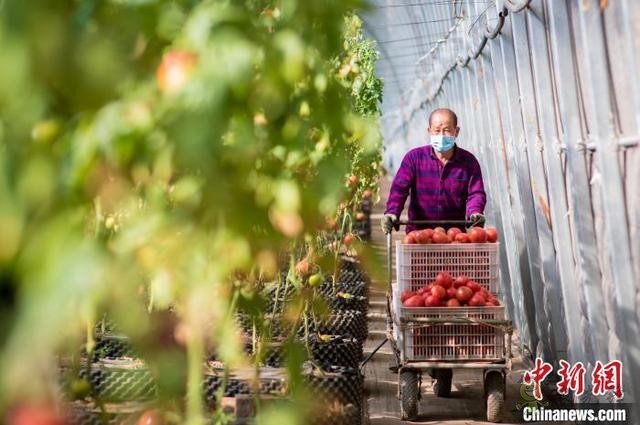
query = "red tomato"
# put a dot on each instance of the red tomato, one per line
(495, 302)
(360, 216)
(474, 286)
(175, 69)
(444, 279)
(451, 292)
(348, 239)
(415, 301)
(429, 286)
(478, 235)
(34, 415)
(352, 180)
(464, 294)
(460, 281)
(440, 237)
(477, 301)
(303, 267)
(415, 234)
(453, 302)
(406, 295)
(462, 238)
(492, 234)
(453, 232)
(367, 194)
(438, 291)
(432, 301)
(409, 239)
(151, 417)
(423, 237)
(439, 230)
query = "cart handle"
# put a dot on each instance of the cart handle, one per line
(464, 223)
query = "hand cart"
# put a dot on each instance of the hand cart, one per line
(437, 340)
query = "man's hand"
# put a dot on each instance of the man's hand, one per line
(477, 219)
(389, 221)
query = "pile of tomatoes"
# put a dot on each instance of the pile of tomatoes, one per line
(454, 235)
(446, 291)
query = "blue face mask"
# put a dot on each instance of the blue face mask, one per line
(442, 143)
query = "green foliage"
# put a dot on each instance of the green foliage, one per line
(357, 68)
(356, 71)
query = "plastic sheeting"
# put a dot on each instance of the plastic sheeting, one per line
(548, 98)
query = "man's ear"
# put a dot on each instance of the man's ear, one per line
(457, 131)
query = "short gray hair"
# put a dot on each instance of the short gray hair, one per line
(444, 110)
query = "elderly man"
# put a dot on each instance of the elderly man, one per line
(443, 179)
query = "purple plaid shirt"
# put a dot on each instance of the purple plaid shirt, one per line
(450, 192)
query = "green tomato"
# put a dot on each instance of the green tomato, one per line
(45, 131)
(315, 279)
(80, 388)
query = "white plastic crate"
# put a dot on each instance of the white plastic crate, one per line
(453, 341)
(417, 265)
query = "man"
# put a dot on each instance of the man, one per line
(444, 180)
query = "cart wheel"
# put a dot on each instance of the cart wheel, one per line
(442, 386)
(409, 394)
(494, 384)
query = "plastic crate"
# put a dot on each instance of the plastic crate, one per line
(417, 265)
(453, 341)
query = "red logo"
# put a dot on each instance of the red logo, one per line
(536, 376)
(604, 378)
(572, 378)
(607, 378)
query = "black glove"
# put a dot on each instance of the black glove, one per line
(477, 219)
(388, 222)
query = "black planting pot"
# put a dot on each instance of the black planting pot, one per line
(278, 297)
(118, 381)
(326, 351)
(275, 323)
(344, 322)
(347, 301)
(335, 350)
(87, 413)
(235, 386)
(109, 346)
(339, 393)
(356, 288)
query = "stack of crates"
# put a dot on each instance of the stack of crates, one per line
(416, 266)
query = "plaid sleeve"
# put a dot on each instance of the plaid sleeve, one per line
(476, 199)
(401, 186)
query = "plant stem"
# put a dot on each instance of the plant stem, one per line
(91, 341)
(306, 330)
(336, 266)
(195, 352)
